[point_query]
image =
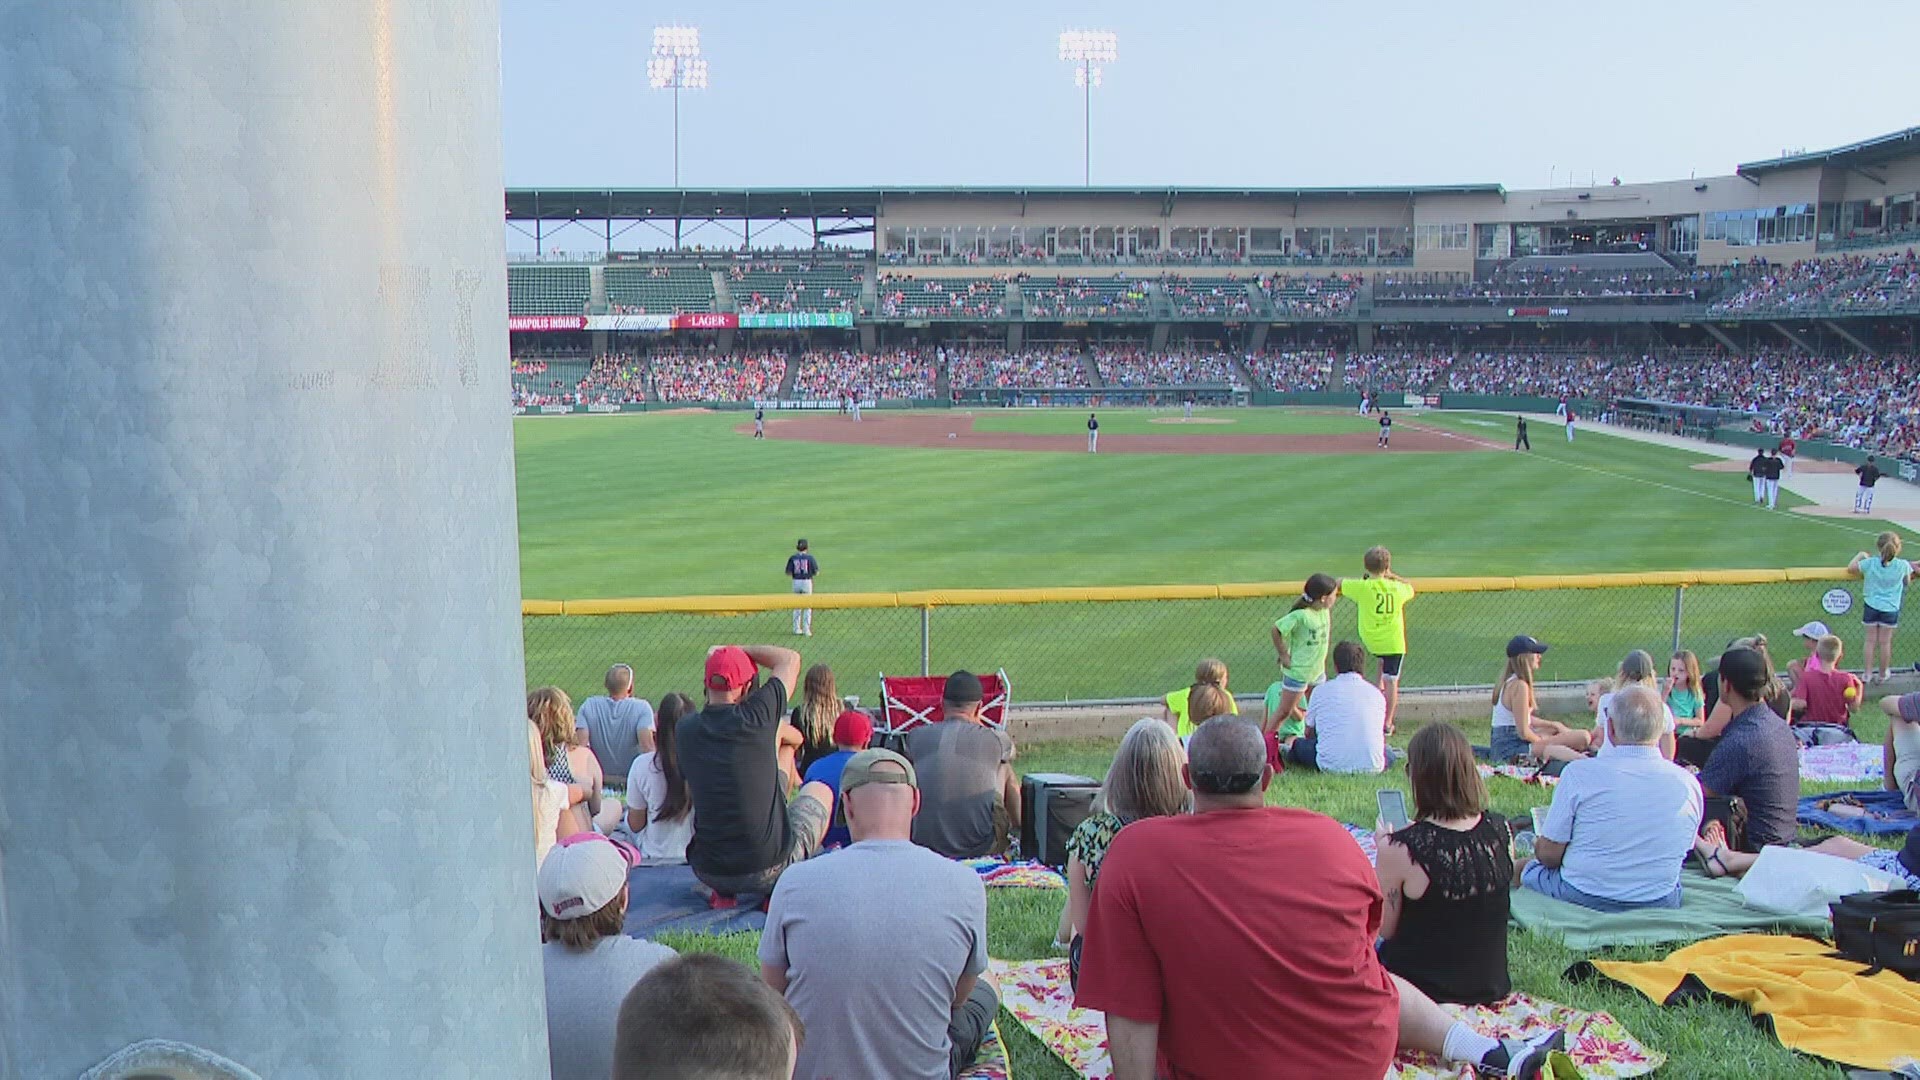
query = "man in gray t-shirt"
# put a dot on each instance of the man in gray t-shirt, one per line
(970, 799)
(833, 943)
(619, 726)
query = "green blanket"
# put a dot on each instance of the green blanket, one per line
(1710, 907)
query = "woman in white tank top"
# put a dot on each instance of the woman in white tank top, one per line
(1516, 731)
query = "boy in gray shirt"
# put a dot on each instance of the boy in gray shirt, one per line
(832, 945)
(589, 964)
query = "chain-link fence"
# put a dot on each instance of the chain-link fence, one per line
(1089, 645)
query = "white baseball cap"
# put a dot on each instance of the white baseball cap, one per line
(1814, 629)
(582, 874)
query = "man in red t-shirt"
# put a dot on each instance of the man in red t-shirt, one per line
(1238, 941)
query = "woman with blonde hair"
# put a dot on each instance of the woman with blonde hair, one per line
(549, 799)
(1143, 781)
(1517, 733)
(551, 711)
(1209, 672)
(1883, 585)
(813, 718)
(1636, 669)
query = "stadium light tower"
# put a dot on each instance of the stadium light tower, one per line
(676, 65)
(1087, 50)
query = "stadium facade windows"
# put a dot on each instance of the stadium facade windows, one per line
(1441, 237)
(1683, 235)
(1789, 224)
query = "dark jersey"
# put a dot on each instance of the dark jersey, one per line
(802, 566)
(1773, 468)
(1093, 424)
(1386, 422)
(1757, 468)
(1869, 474)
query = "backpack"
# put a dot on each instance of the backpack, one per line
(1880, 930)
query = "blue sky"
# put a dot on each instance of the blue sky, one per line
(859, 93)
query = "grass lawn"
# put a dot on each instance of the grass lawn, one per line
(1166, 421)
(1702, 1040)
(633, 506)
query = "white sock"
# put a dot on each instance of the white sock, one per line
(1465, 1044)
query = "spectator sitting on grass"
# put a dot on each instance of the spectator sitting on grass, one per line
(589, 963)
(1209, 672)
(970, 798)
(1447, 878)
(1824, 696)
(1620, 823)
(1178, 915)
(745, 831)
(889, 988)
(619, 726)
(659, 819)
(705, 1017)
(1902, 753)
(852, 731)
(1636, 669)
(1346, 720)
(1143, 782)
(1757, 759)
(568, 762)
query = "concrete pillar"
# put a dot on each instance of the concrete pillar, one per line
(263, 758)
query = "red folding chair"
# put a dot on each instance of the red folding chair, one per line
(908, 701)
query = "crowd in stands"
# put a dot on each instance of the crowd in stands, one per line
(1129, 367)
(911, 298)
(902, 374)
(1083, 297)
(1558, 283)
(614, 379)
(1038, 367)
(1211, 297)
(1843, 285)
(714, 377)
(1310, 296)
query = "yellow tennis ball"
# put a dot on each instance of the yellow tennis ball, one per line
(1850, 693)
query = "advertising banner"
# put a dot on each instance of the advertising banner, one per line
(706, 320)
(797, 320)
(808, 403)
(1538, 312)
(541, 323)
(629, 323)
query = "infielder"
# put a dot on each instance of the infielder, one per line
(1386, 427)
(802, 568)
(759, 422)
(1569, 425)
(1757, 472)
(1771, 476)
(1093, 434)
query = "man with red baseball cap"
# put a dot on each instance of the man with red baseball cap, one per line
(745, 831)
(852, 731)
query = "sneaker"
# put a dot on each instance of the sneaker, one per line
(1522, 1059)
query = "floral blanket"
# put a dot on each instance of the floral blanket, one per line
(1035, 992)
(1000, 874)
(1526, 774)
(1842, 762)
(1363, 837)
(992, 1062)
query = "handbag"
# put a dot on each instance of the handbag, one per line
(1880, 930)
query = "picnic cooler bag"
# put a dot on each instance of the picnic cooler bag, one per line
(1052, 805)
(1879, 929)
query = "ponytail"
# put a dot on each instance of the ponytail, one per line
(1318, 588)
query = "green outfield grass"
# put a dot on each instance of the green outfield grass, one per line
(672, 505)
(1168, 421)
(1703, 1041)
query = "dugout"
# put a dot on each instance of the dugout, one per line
(1697, 421)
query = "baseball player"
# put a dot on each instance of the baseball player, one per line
(1757, 472)
(1771, 474)
(1569, 425)
(802, 568)
(1869, 473)
(1186, 406)
(1386, 427)
(1788, 448)
(1520, 440)
(759, 422)
(1093, 434)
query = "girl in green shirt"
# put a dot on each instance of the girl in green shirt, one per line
(1300, 647)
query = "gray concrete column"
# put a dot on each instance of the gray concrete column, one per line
(262, 748)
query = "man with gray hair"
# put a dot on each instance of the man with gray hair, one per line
(619, 726)
(1621, 824)
(1277, 902)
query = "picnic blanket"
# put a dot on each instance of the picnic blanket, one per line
(1036, 993)
(1813, 1002)
(1709, 907)
(1526, 774)
(992, 1062)
(1363, 837)
(1842, 761)
(1886, 814)
(663, 898)
(1001, 874)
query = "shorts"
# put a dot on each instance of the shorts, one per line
(1507, 745)
(1873, 616)
(807, 821)
(1288, 682)
(1548, 882)
(1390, 665)
(1887, 861)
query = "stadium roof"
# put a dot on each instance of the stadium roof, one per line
(553, 204)
(1874, 151)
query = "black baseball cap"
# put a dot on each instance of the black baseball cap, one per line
(801, 546)
(963, 688)
(1522, 644)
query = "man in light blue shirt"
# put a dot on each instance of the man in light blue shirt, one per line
(1621, 824)
(619, 726)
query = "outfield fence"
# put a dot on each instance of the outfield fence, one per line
(1133, 642)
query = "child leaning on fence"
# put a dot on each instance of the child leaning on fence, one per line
(1381, 597)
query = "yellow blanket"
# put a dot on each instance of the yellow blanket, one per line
(1818, 1005)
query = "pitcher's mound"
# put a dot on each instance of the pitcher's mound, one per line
(1190, 420)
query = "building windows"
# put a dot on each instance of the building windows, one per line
(1441, 237)
(1683, 236)
(1767, 225)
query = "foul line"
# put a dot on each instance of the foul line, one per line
(1806, 518)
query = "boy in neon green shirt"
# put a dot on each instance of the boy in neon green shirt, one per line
(1382, 597)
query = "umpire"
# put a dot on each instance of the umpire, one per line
(802, 567)
(1520, 440)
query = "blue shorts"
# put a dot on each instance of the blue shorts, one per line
(1507, 744)
(1873, 616)
(1287, 682)
(1548, 882)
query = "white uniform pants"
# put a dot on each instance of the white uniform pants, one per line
(1569, 432)
(1773, 492)
(803, 617)
(1093, 442)
(1759, 490)
(1863, 500)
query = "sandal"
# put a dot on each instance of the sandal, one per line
(1708, 860)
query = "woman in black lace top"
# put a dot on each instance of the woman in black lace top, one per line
(1446, 878)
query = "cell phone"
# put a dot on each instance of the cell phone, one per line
(1393, 808)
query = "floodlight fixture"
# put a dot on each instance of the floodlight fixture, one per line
(676, 65)
(1087, 51)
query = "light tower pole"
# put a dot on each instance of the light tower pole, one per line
(1087, 50)
(676, 65)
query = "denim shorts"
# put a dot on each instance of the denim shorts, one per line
(1873, 616)
(1507, 744)
(1287, 682)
